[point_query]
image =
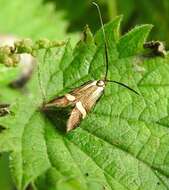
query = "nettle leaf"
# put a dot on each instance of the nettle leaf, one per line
(124, 141)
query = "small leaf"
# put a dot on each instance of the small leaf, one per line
(132, 43)
(111, 30)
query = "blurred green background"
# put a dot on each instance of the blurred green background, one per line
(135, 12)
(63, 19)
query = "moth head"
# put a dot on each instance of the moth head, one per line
(100, 83)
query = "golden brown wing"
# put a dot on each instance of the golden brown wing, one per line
(69, 98)
(90, 97)
(74, 119)
(82, 99)
(57, 102)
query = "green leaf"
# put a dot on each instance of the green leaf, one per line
(5, 179)
(120, 145)
(132, 43)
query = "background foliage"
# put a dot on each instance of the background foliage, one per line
(135, 12)
(61, 20)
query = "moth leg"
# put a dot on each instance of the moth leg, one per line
(74, 119)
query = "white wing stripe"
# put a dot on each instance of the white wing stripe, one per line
(81, 109)
(70, 97)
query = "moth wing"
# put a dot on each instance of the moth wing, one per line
(74, 119)
(82, 89)
(90, 97)
(64, 101)
(58, 102)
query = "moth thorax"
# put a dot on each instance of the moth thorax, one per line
(100, 83)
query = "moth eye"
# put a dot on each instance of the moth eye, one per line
(100, 83)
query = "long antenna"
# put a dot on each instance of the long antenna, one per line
(106, 53)
(104, 36)
(124, 85)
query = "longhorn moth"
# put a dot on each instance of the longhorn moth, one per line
(83, 98)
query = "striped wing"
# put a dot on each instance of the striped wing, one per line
(82, 99)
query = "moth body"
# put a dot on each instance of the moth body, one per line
(81, 99)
